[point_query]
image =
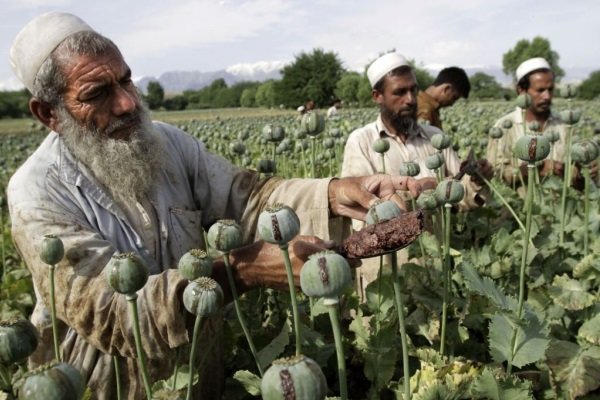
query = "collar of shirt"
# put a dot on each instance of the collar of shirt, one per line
(384, 131)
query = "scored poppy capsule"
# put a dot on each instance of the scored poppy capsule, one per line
(18, 340)
(203, 297)
(441, 141)
(225, 235)
(52, 249)
(312, 123)
(53, 381)
(325, 274)
(382, 210)
(126, 273)
(584, 152)
(570, 117)
(297, 377)
(427, 200)
(532, 148)
(278, 224)
(194, 264)
(449, 191)
(409, 168)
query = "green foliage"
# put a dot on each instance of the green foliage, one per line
(484, 86)
(312, 75)
(347, 88)
(265, 94)
(14, 104)
(492, 387)
(424, 78)
(575, 368)
(155, 95)
(590, 88)
(525, 49)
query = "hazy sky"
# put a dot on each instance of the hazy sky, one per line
(208, 35)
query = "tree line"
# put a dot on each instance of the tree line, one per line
(319, 75)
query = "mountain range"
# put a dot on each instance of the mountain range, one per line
(174, 82)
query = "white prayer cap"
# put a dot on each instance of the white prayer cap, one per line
(38, 39)
(530, 65)
(383, 65)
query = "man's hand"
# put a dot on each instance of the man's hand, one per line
(483, 169)
(352, 196)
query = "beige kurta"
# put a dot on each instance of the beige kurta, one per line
(500, 151)
(53, 194)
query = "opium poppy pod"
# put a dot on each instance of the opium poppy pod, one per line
(507, 124)
(278, 224)
(532, 148)
(496, 132)
(381, 145)
(441, 141)
(18, 340)
(51, 250)
(194, 264)
(568, 91)
(409, 168)
(273, 133)
(203, 297)
(297, 377)
(53, 382)
(427, 200)
(312, 123)
(381, 211)
(570, 117)
(434, 161)
(225, 235)
(449, 191)
(552, 136)
(126, 273)
(523, 100)
(325, 274)
(584, 152)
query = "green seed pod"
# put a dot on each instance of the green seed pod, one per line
(496, 132)
(225, 235)
(409, 168)
(18, 340)
(381, 145)
(325, 274)
(53, 382)
(507, 124)
(533, 126)
(570, 117)
(273, 133)
(297, 377)
(441, 141)
(126, 273)
(266, 166)
(237, 148)
(449, 191)
(194, 264)
(51, 250)
(552, 136)
(532, 148)
(568, 91)
(203, 297)
(278, 224)
(328, 143)
(434, 161)
(427, 200)
(523, 101)
(312, 123)
(335, 133)
(381, 211)
(584, 152)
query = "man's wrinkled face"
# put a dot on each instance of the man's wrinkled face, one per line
(398, 101)
(100, 94)
(541, 90)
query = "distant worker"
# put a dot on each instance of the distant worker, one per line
(451, 84)
(333, 110)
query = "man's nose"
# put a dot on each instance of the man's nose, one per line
(125, 102)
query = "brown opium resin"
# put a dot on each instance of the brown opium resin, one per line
(384, 237)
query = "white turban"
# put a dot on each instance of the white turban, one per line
(38, 39)
(383, 65)
(531, 65)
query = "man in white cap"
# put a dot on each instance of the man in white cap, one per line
(394, 89)
(107, 179)
(535, 78)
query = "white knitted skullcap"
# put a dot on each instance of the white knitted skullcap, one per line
(531, 65)
(383, 65)
(38, 39)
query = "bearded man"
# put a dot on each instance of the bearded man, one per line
(107, 179)
(394, 89)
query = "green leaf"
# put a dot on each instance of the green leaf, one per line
(425, 323)
(577, 369)
(380, 365)
(380, 301)
(570, 293)
(502, 241)
(431, 244)
(361, 332)
(486, 287)
(274, 349)
(588, 267)
(530, 344)
(487, 386)
(590, 330)
(250, 381)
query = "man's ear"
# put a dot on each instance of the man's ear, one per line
(44, 112)
(377, 96)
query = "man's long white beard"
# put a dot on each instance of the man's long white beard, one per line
(127, 168)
